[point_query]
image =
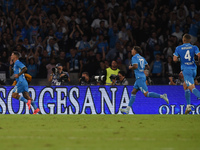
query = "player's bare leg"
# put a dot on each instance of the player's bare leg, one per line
(17, 96)
(27, 96)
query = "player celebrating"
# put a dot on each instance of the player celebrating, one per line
(22, 86)
(138, 63)
(186, 52)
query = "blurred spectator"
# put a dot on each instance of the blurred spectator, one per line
(120, 79)
(58, 76)
(169, 50)
(156, 67)
(49, 67)
(85, 79)
(102, 45)
(49, 27)
(62, 60)
(178, 33)
(176, 79)
(171, 68)
(113, 70)
(83, 45)
(96, 22)
(148, 79)
(32, 68)
(74, 62)
(123, 35)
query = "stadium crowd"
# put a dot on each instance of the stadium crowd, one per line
(86, 35)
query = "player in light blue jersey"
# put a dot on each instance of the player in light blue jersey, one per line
(186, 52)
(139, 64)
(22, 85)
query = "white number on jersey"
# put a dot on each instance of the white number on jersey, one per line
(141, 63)
(187, 55)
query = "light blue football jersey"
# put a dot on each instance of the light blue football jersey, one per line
(186, 52)
(139, 72)
(17, 69)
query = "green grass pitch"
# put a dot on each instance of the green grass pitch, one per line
(99, 132)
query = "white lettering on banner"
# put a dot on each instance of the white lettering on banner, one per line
(74, 101)
(51, 107)
(41, 98)
(193, 109)
(162, 107)
(197, 109)
(167, 109)
(61, 101)
(88, 102)
(125, 101)
(9, 103)
(2, 103)
(105, 99)
(80, 100)
(173, 106)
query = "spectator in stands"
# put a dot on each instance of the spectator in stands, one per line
(171, 68)
(120, 80)
(62, 60)
(58, 76)
(49, 67)
(83, 45)
(96, 22)
(32, 68)
(85, 79)
(113, 70)
(156, 67)
(147, 24)
(176, 80)
(123, 35)
(169, 50)
(194, 28)
(102, 44)
(178, 33)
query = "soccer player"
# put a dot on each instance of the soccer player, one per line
(22, 85)
(186, 52)
(138, 63)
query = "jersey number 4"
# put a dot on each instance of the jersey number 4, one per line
(187, 55)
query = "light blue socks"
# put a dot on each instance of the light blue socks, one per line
(196, 93)
(21, 98)
(33, 104)
(132, 100)
(154, 95)
(187, 96)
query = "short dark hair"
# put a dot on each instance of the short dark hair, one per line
(187, 37)
(86, 73)
(16, 53)
(122, 73)
(138, 49)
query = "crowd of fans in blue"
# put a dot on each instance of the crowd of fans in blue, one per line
(85, 35)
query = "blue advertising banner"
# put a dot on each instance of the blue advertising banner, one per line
(97, 100)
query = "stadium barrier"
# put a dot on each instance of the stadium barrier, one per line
(96, 100)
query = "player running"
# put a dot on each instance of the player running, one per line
(138, 63)
(22, 85)
(186, 52)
